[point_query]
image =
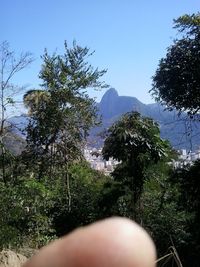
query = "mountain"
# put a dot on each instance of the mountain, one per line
(112, 105)
(180, 131)
(177, 129)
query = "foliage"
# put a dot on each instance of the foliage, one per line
(135, 142)
(34, 99)
(61, 112)
(187, 179)
(10, 65)
(85, 186)
(176, 82)
(158, 209)
(35, 212)
(24, 214)
(50, 182)
(161, 213)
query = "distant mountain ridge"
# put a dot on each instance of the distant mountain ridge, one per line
(112, 106)
(172, 126)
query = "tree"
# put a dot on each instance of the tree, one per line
(135, 142)
(187, 179)
(176, 82)
(62, 109)
(10, 65)
(86, 189)
(61, 112)
(161, 213)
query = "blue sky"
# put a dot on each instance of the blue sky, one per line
(128, 36)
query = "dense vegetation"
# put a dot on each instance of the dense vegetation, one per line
(50, 189)
(176, 83)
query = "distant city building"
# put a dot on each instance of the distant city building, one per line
(94, 157)
(186, 158)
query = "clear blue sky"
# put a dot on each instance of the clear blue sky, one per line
(128, 36)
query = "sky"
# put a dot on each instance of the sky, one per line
(129, 37)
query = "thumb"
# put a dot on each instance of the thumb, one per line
(114, 242)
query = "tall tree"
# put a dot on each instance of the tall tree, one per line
(176, 82)
(62, 112)
(10, 65)
(135, 142)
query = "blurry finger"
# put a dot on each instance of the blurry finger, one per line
(113, 242)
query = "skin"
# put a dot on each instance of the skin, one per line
(115, 242)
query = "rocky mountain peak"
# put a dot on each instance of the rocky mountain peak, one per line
(109, 95)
